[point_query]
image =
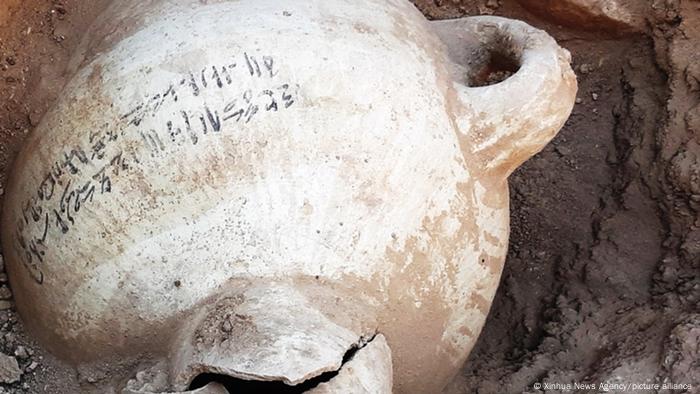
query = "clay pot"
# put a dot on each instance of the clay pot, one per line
(258, 188)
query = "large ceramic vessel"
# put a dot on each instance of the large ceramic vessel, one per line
(258, 188)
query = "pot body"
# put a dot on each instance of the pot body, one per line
(220, 145)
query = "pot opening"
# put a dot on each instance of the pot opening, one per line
(494, 61)
(499, 67)
(483, 52)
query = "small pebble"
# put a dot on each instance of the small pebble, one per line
(594, 96)
(5, 293)
(21, 352)
(564, 151)
(9, 369)
(32, 366)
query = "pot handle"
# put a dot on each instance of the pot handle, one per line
(501, 125)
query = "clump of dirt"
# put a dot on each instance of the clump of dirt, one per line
(601, 282)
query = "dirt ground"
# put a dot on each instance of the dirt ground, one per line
(602, 281)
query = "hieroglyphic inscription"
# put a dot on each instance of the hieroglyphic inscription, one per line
(86, 171)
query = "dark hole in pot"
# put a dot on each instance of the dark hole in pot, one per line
(499, 67)
(243, 386)
(485, 56)
(235, 385)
